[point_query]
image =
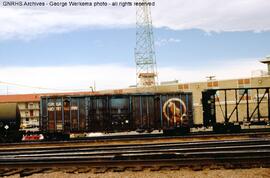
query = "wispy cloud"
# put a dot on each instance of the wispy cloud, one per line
(67, 77)
(29, 23)
(111, 76)
(165, 41)
(208, 15)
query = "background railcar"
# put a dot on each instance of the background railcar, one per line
(10, 122)
(62, 115)
(231, 109)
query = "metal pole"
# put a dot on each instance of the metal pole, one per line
(47, 114)
(89, 114)
(130, 113)
(236, 100)
(258, 105)
(246, 91)
(86, 112)
(226, 109)
(160, 110)
(167, 111)
(70, 121)
(78, 113)
(268, 90)
(108, 109)
(147, 111)
(141, 113)
(55, 122)
(62, 113)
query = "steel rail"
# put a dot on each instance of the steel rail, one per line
(65, 148)
(178, 150)
(146, 137)
(232, 154)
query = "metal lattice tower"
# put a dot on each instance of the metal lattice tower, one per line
(145, 58)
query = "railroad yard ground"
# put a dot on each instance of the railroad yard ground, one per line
(214, 155)
(187, 173)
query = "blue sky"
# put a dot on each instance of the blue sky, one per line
(72, 48)
(99, 46)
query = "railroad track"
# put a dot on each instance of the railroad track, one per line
(154, 156)
(139, 138)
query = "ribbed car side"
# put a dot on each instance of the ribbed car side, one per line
(143, 112)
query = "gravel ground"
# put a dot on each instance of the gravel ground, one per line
(233, 173)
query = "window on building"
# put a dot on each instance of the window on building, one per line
(30, 105)
(27, 119)
(31, 113)
(212, 84)
(244, 83)
(183, 87)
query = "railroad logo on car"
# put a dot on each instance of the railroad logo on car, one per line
(172, 111)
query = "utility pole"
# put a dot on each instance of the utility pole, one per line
(145, 58)
(211, 77)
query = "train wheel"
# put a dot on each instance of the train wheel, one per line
(219, 128)
(169, 132)
(140, 130)
(56, 136)
(176, 131)
(182, 130)
(19, 137)
(66, 136)
(2, 139)
(234, 128)
(11, 137)
(230, 128)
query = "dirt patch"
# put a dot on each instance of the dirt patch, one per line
(232, 173)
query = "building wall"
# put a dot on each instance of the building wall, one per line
(30, 110)
(29, 114)
(197, 88)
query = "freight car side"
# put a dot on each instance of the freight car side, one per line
(62, 115)
(230, 109)
(9, 123)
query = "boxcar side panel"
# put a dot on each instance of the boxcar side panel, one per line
(114, 113)
(119, 109)
(98, 112)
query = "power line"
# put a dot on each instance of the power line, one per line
(37, 87)
(28, 86)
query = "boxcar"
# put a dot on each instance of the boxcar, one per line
(62, 115)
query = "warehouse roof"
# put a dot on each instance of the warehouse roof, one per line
(19, 98)
(266, 60)
(34, 97)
